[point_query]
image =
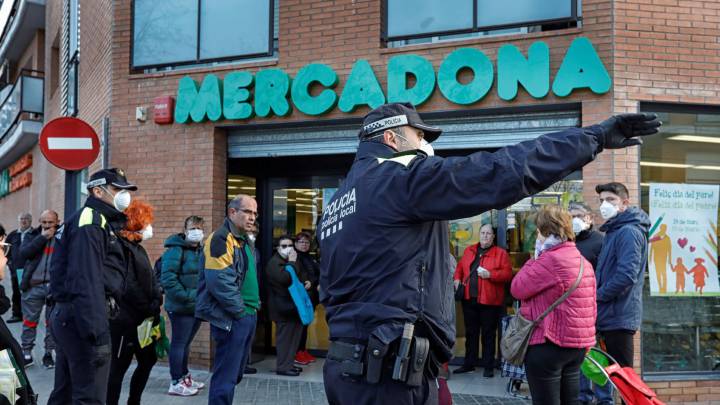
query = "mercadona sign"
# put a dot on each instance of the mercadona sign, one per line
(275, 93)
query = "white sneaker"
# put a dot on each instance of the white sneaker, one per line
(182, 389)
(192, 383)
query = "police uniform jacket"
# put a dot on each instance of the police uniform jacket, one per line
(88, 265)
(384, 239)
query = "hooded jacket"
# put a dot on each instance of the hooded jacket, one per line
(540, 282)
(620, 271)
(384, 237)
(180, 272)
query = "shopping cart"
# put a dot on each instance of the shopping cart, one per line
(628, 385)
(516, 374)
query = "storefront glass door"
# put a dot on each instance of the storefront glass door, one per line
(297, 205)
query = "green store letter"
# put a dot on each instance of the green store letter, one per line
(198, 104)
(532, 73)
(236, 96)
(271, 90)
(581, 68)
(398, 69)
(459, 59)
(361, 88)
(300, 94)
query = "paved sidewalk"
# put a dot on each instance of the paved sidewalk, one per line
(266, 387)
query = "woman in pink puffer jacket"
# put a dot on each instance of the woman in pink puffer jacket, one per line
(558, 344)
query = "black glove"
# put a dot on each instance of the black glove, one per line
(101, 355)
(620, 131)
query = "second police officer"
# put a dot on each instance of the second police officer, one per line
(384, 281)
(86, 281)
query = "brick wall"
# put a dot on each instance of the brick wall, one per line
(181, 169)
(666, 51)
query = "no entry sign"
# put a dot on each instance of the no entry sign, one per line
(69, 143)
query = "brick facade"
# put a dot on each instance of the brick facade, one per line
(655, 50)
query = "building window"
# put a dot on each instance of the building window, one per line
(74, 59)
(433, 21)
(681, 331)
(172, 33)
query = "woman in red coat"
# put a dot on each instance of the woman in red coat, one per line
(483, 270)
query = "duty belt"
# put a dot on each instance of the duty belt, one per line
(372, 360)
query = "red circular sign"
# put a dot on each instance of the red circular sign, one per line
(69, 143)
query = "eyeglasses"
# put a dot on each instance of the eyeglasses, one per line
(285, 246)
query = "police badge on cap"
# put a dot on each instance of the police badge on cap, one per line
(394, 115)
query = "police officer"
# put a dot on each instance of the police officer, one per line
(384, 281)
(86, 279)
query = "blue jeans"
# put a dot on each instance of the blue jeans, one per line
(184, 328)
(232, 350)
(588, 390)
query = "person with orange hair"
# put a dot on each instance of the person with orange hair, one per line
(141, 300)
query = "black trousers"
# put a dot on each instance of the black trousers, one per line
(553, 373)
(16, 294)
(287, 340)
(480, 318)
(77, 380)
(124, 347)
(342, 390)
(619, 345)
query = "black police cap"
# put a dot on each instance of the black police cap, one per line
(394, 115)
(114, 177)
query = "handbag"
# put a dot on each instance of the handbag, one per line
(301, 298)
(516, 339)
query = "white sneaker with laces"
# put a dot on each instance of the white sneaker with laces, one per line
(182, 389)
(192, 383)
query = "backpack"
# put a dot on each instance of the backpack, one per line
(157, 268)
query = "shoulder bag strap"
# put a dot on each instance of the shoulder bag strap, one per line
(567, 293)
(474, 263)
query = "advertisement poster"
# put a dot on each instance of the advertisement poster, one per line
(683, 250)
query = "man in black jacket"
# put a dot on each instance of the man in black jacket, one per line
(384, 242)
(86, 282)
(37, 254)
(15, 239)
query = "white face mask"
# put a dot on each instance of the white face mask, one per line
(147, 233)
(579, 225)
(427, 148)
(608, 210)
(194, 235)
(121, 200)
(284, 252)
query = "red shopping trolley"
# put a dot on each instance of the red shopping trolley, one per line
(629, 386)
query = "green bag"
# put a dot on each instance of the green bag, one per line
(163, 343)
(591, 371)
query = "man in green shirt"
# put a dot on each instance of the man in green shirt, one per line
(228, 296)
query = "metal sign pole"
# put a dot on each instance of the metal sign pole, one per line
(72, 192)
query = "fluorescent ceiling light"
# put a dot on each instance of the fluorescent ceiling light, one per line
(660, 164)
(695, 138)
(706, 167)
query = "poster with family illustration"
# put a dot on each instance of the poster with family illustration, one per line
(683, 240)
